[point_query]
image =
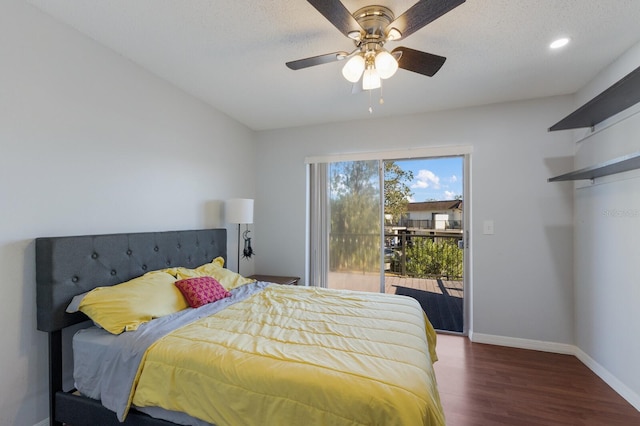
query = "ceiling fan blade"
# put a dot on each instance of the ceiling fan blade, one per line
(421, 62)
(335, 12)
(422, 13)
(317, 60)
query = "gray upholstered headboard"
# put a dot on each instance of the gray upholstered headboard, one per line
(67, 266)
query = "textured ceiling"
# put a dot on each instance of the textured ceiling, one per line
(232, 54)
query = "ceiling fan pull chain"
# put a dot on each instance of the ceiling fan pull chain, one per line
(370, 107)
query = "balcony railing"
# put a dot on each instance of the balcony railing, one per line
(425, 256)
(419, 256)
(354, 252)
(430, 224)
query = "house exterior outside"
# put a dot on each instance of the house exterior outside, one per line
(438, 221)
(434, 215)
(427, 218)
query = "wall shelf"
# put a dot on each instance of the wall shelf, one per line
(620, 96)
(617, 165)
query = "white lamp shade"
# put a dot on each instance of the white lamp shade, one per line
(239, 210)
(386, 64)
(352, 70)
(370, 79)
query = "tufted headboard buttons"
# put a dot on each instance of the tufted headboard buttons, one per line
(67, 266)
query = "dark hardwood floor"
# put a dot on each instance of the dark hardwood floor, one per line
(492, 385)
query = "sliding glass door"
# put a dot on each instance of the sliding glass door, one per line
(392, 225)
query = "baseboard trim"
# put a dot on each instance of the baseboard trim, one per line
(513, 342)
(561, 348)
(44, 422)
(622, 389)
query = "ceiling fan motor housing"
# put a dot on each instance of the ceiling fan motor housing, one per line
(374, 20)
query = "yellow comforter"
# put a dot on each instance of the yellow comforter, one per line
(299, 356)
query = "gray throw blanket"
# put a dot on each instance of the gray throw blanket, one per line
(121, 359)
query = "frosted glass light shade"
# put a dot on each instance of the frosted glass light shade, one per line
(386, 64)
(370, 79)
(394, 34)
(239, 210)
(352, 70)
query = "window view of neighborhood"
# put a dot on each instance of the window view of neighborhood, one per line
(423, 232)
(431, 232)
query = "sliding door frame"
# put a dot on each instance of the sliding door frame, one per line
(464, 151)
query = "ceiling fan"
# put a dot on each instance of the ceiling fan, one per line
(370, 28)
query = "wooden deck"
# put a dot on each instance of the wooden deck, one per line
(440, 299)
(371, 282)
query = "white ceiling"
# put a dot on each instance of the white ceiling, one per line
(232, 54)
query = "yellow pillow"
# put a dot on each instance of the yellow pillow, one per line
(123, 307)
(218, 261)
(175, 270)
(227, 278)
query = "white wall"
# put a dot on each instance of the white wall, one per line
(522, 275)
(607, 225)
(91, 143)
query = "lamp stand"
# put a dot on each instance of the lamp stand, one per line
(238, 248)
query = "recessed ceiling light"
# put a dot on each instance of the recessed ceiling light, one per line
(557, 44)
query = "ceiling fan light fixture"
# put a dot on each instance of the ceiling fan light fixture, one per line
(371, 79)
(394, 34)
(354, 35)
(353, 69)
(386, 64)
(370, 28)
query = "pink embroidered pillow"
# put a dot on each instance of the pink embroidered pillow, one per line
(201, 290)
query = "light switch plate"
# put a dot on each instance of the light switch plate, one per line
(487, 228)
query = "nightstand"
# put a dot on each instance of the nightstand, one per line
(276, 279)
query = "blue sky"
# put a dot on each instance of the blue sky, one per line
(434, 178)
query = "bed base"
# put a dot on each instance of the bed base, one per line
(67, 266)
(81, 411)
(68, 408)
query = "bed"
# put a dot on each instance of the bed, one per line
(274, 354)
